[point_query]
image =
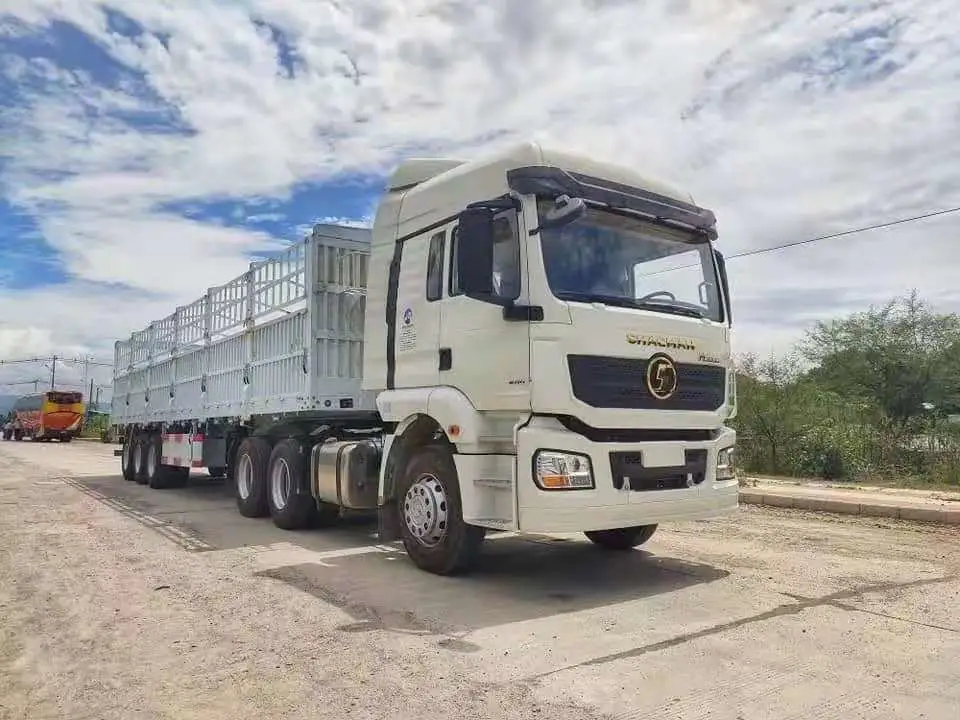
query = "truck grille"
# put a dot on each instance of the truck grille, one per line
(611, 382)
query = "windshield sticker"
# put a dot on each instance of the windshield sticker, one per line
(407, 337)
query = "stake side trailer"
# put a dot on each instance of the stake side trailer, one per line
(531, 341)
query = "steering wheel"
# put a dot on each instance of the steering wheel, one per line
(665, 293)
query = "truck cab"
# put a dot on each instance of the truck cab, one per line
(549, 341)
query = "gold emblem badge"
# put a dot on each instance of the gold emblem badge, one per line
(661, 377)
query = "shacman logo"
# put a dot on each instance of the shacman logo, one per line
(661, 377)
(665, 343)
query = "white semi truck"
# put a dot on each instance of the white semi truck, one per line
(532, 341)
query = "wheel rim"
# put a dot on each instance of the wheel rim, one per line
(125, 458)
(280, 483)
(425, 510)
(151, 460)
(244, 476)
(137, 460)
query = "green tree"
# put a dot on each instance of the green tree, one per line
(775, 409)
(902, 356)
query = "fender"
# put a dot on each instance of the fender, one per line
(453, 412)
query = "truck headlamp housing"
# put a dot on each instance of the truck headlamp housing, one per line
(554, 470)
(726, 466)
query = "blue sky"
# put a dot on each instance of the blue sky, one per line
(29, 261)
(150, 149)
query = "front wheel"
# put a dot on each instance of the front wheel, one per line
(622, 538)
(431, 515)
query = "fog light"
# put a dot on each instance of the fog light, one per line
(726, 467)
(554, 470)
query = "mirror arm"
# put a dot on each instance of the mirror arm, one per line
(504, 202)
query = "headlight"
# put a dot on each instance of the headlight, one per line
(726, 467)
(554, 470)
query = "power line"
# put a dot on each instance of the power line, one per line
(59, 359)
(842, 233)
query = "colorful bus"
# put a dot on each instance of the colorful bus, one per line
(50, 415)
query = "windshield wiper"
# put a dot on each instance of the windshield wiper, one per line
(620, 301)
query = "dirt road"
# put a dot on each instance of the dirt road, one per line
(122, 602)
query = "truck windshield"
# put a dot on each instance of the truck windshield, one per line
(620, 260)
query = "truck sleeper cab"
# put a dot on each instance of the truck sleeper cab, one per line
(545, 348)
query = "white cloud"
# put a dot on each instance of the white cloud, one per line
(788, 121)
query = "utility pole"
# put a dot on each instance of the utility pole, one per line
(90, 395)
(86, 372)
(53, 373)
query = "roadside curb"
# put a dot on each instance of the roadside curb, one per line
(899, 511)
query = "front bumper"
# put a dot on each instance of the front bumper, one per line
(605, 506)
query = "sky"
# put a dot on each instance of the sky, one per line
(150, 149)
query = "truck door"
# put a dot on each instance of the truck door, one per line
(484, 356)
(420, 289)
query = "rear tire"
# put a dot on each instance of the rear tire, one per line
(66, 438)
(250, 486)
(291, 505)
(126, 461)
(431, 516)
(140, 442)
(621, 539)
(154, 473)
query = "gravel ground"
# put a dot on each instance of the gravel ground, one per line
(103, 619)
(106, 613)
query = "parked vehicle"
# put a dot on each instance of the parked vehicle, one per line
(533, 341)
(50, 415)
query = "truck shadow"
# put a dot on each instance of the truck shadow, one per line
(518, 577)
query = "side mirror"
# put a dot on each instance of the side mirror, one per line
(475, 251)
(565, 210)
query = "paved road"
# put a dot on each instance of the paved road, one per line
(767, 614)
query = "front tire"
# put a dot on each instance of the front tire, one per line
(250, 486)
(622, 539)
(291, 505)
(431, 514)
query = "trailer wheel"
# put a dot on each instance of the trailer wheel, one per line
(152, 469)
(140, 443)
(159, 476)
(127, 460)
(434, 534)
(291, 506)
(250, 486)
(622, 538)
